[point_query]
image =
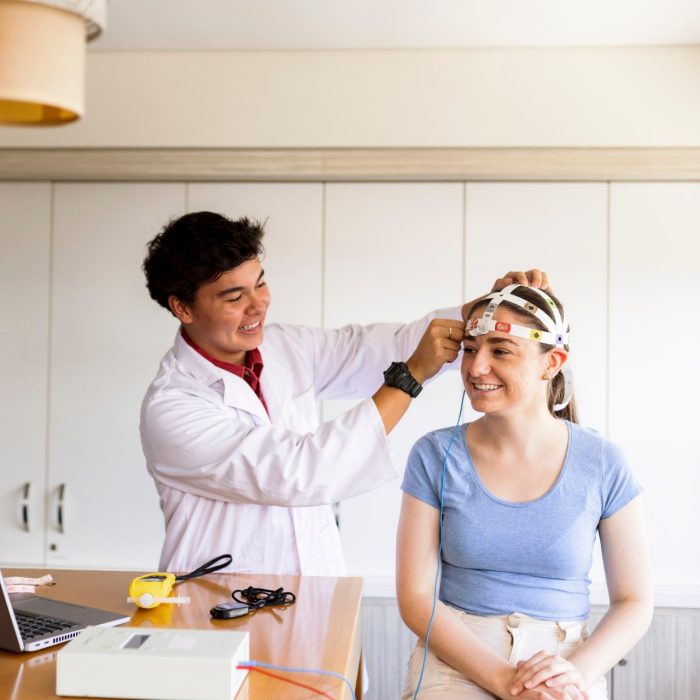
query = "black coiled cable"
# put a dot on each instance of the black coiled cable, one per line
(256, 598)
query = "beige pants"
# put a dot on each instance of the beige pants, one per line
(515, 637)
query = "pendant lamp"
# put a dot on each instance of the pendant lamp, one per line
(42, 58)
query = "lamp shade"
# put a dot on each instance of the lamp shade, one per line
(42, 59)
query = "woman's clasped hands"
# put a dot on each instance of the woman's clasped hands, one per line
(546, 676)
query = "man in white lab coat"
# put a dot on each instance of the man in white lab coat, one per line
(240, 461)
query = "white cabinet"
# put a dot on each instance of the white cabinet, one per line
(24, 288)
(654, 338)
(664, 663)
(81, 341)
(107, 337)
(663, 666)
(392, 253)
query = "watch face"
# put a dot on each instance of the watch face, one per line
(396, 370)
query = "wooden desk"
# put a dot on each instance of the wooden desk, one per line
(321, 630)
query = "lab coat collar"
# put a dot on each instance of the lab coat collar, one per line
(276, 382)
(237, 392)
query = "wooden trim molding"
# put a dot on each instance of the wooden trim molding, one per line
(351, 164)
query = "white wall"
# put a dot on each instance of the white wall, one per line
(477, 97)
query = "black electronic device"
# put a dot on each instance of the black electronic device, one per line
(227, 611)
(399, 376)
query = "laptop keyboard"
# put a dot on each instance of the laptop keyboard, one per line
(31, 626)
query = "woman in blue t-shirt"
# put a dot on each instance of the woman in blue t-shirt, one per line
(523, 490)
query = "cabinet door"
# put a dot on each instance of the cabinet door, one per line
(25, 215)
(654, 339)
(106, 341)
(392, 253)
(664, 663)
(292, 214)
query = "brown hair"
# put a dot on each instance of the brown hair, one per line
(555, 392)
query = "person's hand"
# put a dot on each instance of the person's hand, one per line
(542, 692)
(440, 343)
(531, 278)
(549, 671)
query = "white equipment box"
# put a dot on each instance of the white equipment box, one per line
(153, 664)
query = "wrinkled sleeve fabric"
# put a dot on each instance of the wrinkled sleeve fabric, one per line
(360, 354)
(196, 447)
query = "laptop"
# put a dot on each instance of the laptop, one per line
(29, 622)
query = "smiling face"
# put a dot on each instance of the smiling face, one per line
(227, 316)
(502, 373)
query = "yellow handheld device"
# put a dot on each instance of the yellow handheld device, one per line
(150, 590)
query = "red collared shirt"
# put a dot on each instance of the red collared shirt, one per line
(250, 372)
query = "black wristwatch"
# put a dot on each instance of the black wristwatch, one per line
(399, 376)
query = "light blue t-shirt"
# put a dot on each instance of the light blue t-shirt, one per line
(534, 557)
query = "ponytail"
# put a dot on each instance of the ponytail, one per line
(555, 395)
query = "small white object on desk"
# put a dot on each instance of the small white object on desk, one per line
(27, 584)
(153, 664)
(147, 600)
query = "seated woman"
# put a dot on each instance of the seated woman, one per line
(521, 493)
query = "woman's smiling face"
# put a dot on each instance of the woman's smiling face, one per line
(501, 372)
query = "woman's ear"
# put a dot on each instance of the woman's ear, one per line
(556, 358)
(180, 310)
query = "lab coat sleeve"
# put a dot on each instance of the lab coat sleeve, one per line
(349, 361)
(195, 447)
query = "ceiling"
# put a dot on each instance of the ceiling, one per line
(210, 25)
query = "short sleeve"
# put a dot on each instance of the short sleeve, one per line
(620, 485)
(419, 479)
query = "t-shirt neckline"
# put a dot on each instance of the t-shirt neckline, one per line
(518, 504)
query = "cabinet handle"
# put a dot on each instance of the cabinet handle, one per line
(622, 662)
(24, 503)
(59, 508)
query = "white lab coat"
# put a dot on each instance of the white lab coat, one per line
(232, 479)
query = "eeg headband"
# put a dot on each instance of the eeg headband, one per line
(557, 332)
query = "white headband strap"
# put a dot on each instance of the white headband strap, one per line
(480, 326)
(558, 318)
(568, 387)
(506, 295)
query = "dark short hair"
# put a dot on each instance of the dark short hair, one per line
(196, 249)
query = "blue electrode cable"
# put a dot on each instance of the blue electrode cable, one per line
(439, 556)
